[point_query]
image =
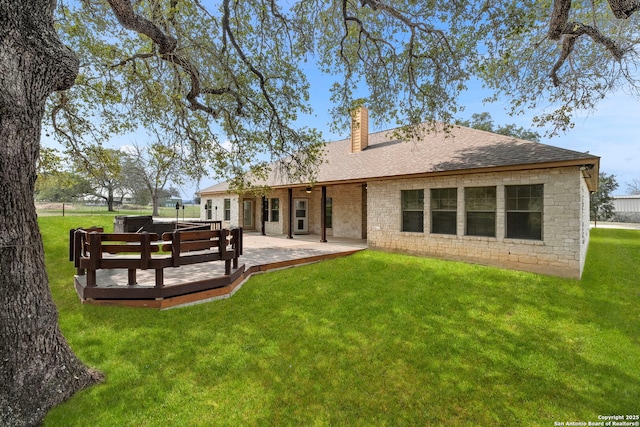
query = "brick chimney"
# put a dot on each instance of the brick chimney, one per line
(359, 129)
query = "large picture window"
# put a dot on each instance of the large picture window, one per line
(413, 210)
(524, 211)
(275, 210)
(480, 205)
(227, 209)
(444, 210)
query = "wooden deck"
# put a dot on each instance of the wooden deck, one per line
(207, 281)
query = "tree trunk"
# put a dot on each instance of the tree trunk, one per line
(110, 198)
(154, 197)
(38, 369)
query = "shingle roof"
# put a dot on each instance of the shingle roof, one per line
(462, 149)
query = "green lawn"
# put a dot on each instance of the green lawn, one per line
(372, 339)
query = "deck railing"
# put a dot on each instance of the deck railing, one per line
(92, 250)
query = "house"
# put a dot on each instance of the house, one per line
(466, 195)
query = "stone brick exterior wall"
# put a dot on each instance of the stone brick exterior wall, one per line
(375, 213)
(280, 226)
(565, 230)
(217, 201)
(348, 211)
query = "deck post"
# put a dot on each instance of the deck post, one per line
(131, 277)
(95, 254)
(222, 242)
(72, 246)
(236, 234)
(222, 249)
(145, 250)
(77, 241)
(159, 277)
(175, 248)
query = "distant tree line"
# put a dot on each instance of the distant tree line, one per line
(147, 175)
(484, 121)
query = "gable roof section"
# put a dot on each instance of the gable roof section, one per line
(462, 150)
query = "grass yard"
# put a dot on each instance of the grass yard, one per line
(373, 339)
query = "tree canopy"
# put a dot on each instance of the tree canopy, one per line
(633, 187)
(483, 121)
(602, 208)
(228, 78)
(150, 169)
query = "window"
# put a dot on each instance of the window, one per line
(412, 210)
(444, 208)
(275, 210)
(328, 213)
(208, 207)
(524, 211)
(227, 209)
(480, 203)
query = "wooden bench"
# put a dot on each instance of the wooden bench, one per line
(91, 250)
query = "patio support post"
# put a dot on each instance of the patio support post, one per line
(265, 212)
(290, 219)
(323, 214)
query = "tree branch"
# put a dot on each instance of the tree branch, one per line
(623, 9)
(227, 30)
(167, 46)
(559, 18)
(560, 27)
(571, 32)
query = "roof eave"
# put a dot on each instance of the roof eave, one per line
(590, 173)
(591, 164)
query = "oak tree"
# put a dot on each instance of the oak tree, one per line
(103, 168)
(38, 369)
(153, 167)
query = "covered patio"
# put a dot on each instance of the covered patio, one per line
(261, 253)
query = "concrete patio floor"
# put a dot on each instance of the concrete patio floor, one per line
(260, 253)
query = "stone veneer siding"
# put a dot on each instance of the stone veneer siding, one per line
(347, 210)
(565, 230)
(217, 201)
